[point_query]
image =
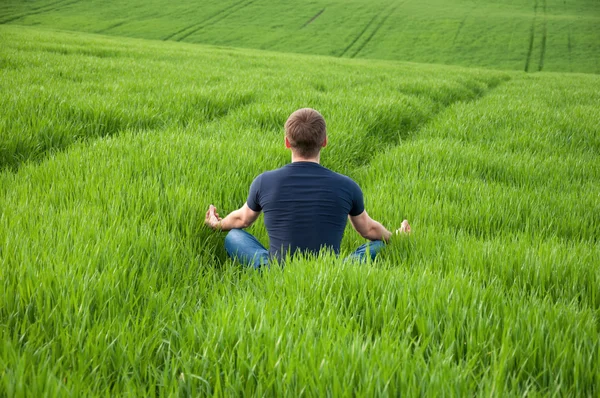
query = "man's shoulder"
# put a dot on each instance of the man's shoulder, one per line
(272, 173)
(315, 170)
(342, 178)
(270, 176)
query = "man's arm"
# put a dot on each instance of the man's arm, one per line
(373, 230)
(369, 228)
(238, 219)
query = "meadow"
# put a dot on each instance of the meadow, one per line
(525, 35)
(111, 150)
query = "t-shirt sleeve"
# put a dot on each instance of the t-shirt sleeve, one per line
(358, 203)
(253, 201)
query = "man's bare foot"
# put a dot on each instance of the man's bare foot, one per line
(404, 228)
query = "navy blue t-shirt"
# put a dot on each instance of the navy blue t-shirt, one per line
(306, 206)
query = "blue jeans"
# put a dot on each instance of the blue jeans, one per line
(242, 246)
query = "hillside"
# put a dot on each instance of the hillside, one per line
(529, 35)
(112, 149)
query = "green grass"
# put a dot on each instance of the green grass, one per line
(530, 35)
(112, 149)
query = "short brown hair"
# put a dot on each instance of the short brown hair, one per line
(306, 131)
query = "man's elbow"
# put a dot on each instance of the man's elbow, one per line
(373, 232)
(246, 222)
(367, 233)
(363, 230)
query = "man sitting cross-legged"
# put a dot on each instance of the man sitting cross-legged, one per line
(306, 205)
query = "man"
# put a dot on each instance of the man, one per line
(306, 205)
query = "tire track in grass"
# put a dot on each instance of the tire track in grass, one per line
(531, 37)
(569, 47)
(317, 15)
(214, 21)
(40, 10)
(116, 25)
(543, 50)
(269, 44)
(49, 5)
(512, 35)
(78, 124)
(462, 23)
(374, 32)
(31, 11)
(214, 18)
(389, 128)
(362, 32)
(168, 37)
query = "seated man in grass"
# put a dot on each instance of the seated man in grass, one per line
(306, 205)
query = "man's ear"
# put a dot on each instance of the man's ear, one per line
(287, 143)
(325, 142)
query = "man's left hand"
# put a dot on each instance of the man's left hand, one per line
(212, 218)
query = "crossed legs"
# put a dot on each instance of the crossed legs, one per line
(245, 248)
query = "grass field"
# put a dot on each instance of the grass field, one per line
(530, 35)
(112, 149)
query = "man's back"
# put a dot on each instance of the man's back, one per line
(306, 206)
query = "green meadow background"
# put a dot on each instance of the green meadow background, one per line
(529, 35)
(112, 148)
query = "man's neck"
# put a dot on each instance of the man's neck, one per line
(296, 158)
